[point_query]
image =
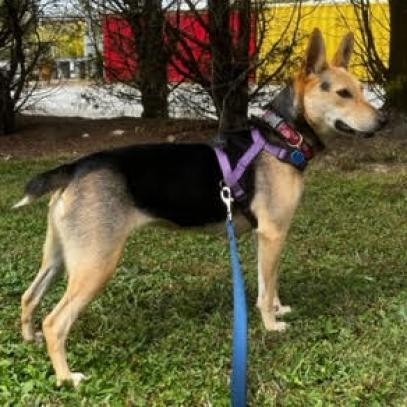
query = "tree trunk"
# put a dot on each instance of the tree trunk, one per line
(7, 121)
(230, 61)
(7, 114)
(10, 119)
(152, 58)
(397, 91)
(21, 47)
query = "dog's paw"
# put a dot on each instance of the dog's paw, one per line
(39, 337)
(276, 326)
(74, 379)
(27, 332)
(77, 377)
(270, 322)
(282, 310)
(36, 337)
(28, 337)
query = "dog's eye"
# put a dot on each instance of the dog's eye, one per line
(344, 93)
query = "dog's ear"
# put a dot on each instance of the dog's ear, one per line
(344, 52)
(315, 57)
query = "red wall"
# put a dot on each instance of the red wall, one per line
(120, 58)
(190, 24)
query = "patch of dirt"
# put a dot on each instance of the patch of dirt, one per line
(387, 150)
(40, 136)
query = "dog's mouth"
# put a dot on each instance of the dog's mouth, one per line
(344, 128)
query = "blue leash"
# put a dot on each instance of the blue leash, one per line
(240, 342)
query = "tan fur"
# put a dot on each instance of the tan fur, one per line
(52, 264)
(278, 192)
(279, 186)
(89, 221)
(358, 112)
(81, 226)
(320, 108)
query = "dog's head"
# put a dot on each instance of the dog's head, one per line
(330, 98)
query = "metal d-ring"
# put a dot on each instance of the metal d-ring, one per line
(226, 196)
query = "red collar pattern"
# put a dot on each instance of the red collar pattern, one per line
(291, 136)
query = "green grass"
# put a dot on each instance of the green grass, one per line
(160, 334)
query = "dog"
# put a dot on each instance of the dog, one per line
(99, 199)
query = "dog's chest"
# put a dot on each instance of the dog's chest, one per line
(278, 190)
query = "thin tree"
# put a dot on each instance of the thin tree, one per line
(367, 48)
(20, 49)
(144, 48)
(390, 74)
(223, 63)
(397, 89)
(230, 61)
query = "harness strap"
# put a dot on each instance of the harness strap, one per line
(232, 177)
(247, 157)
(226, 171)
(278, 152)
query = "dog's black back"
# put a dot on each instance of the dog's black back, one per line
(176, 182)
(179, 183)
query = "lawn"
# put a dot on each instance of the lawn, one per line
(160, 335)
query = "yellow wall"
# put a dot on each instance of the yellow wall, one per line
(334, 21)
(67, 37)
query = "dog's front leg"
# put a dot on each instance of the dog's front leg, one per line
(270, 244)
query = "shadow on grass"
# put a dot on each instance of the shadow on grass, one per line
(341, 294)
(126, 315)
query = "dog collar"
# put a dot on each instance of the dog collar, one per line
(291, 136)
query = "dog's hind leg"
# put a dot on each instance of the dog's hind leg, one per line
(52, 265)
(94, 217)
(88, 277)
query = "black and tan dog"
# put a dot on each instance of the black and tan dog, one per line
(99, 199)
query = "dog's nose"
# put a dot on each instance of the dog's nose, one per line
(382, 119)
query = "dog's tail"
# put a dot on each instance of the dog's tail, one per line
(41, 184)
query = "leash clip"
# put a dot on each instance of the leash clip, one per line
(226, 196)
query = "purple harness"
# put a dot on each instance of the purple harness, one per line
(232, 177)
